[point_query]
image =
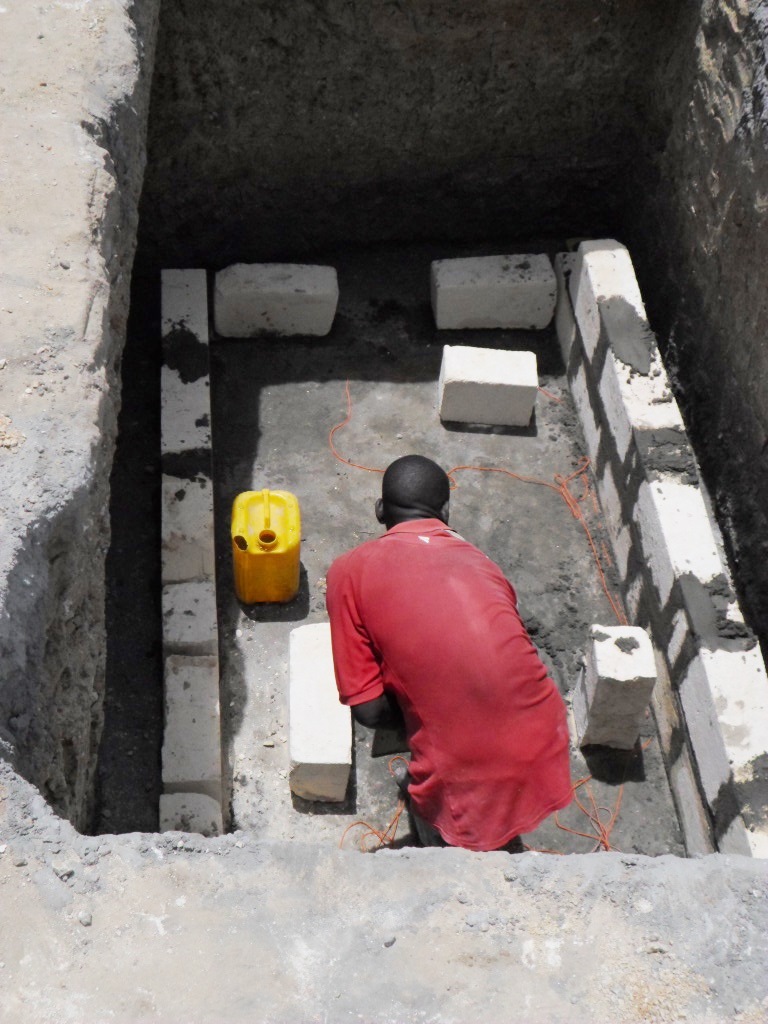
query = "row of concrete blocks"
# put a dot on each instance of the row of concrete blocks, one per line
(711, 704)
(297, 299)
(191, 758)
(320, 730)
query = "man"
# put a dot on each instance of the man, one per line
(424, 624)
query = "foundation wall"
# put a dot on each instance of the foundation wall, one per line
(698, 230)
(76, 89)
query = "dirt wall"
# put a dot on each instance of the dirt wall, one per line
(699, 233)
(75, 100)
(280, 128)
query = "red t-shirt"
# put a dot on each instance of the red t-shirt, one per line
(424, 615)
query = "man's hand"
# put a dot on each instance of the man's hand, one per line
(383, 712)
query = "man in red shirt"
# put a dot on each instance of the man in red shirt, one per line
(425, 625)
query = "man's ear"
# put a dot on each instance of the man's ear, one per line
(444, 512)
(379, 508)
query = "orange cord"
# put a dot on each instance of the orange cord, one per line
(385, 838)
(561, 486)
(344, 422)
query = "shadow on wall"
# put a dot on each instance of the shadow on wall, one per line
(280, 129)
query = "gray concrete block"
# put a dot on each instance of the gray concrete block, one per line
(184, 302)
(320, 728)
(190, 812)
(491, 386)
(493, 291)
(615, 687)
(275, 298)
(192, 738)
(189, 618)
(187, 530)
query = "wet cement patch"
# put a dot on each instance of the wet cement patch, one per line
(274, 403)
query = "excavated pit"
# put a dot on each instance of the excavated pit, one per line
(325, 131)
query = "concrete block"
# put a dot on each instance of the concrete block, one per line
(565, 321)
(491, 386)
(190, 812)
(739, 687)
(687, 529)
(275, 298)
(187, 530)
(493, 291)
(184, 303)
(320, 728)
(616, 686)
(604, 274)
(192, 737)
(588, 416)
(185, 412)
(707, 744)
(189, 618)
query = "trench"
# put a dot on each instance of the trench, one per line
(376, 151)
(273, 403)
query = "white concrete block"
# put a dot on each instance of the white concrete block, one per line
(707, 742)
(189, 618)
(320, 728)
(687, 529)
(590, 423)
(725, 700)
(276, 298)
(185, 412)
(603, 272)
(565, 321)
(616, 686)
(190, 812)
(740, 690)
(484, 385)
(187, 530)
(613, 407)
(192, 737)
(610, 501)
(657, 556)
(184, 302)
(493, 291)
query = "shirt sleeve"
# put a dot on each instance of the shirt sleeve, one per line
(355, 660)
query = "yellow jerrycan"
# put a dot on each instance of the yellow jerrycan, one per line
(266, 535)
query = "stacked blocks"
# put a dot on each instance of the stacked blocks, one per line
(320, 728)
(192, 779)
(489, 386)
(614, 690)
(275, 298)
(711, 701)
(493, 291)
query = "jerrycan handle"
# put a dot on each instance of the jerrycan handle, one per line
(267, 536)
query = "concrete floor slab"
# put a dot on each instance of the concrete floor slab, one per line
(273, 409)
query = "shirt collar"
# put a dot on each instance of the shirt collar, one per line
(420, 526)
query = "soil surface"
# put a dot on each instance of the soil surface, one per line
(274, 403)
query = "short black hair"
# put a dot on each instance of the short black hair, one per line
(416, 482)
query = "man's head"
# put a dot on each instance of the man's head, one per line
(414, 487)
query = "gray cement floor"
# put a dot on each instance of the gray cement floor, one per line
(274, 402)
